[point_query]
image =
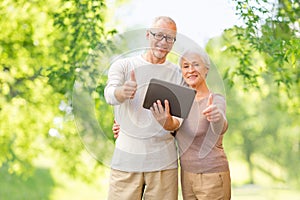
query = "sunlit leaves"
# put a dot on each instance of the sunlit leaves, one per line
(260, 63)
(273, 33)
(82, 29)
(42, 43)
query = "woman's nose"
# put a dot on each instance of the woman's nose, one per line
(191, 68)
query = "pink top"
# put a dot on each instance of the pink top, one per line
(200, 141)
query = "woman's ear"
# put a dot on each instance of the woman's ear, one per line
(207, 70)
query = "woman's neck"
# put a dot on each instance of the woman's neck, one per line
(202, 92)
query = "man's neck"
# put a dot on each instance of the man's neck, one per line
(149, 57)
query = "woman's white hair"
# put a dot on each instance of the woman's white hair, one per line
(198, 51)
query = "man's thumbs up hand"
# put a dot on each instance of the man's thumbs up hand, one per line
(127, 91)
(132, 76)
(130, 86)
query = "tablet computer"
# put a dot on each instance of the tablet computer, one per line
(180, 98)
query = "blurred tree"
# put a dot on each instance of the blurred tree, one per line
(43, 46)
(271, 29)
(260, 64)
(28, 103)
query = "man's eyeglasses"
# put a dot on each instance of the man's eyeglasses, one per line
(160, 36)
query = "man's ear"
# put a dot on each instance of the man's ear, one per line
(147, 34)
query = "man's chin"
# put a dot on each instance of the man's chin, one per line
(160, 54)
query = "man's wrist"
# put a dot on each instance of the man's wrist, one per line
(118, 95)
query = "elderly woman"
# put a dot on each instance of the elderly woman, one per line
(204, 166)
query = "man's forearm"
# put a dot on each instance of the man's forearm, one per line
(118, 95)
(109, 94)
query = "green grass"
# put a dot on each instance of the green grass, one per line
(68, 188)
(250, 192)
(39, 186)
(49, 184)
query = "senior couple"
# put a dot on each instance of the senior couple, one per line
(145, 161)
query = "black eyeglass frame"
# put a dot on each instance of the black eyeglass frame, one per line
(164, 36)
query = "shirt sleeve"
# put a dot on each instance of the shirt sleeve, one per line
(116, 78)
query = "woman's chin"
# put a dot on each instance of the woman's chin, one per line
(191, 84)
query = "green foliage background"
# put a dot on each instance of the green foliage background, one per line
(44, 45)
(260, 65)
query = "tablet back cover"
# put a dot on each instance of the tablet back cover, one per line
(180, 98)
